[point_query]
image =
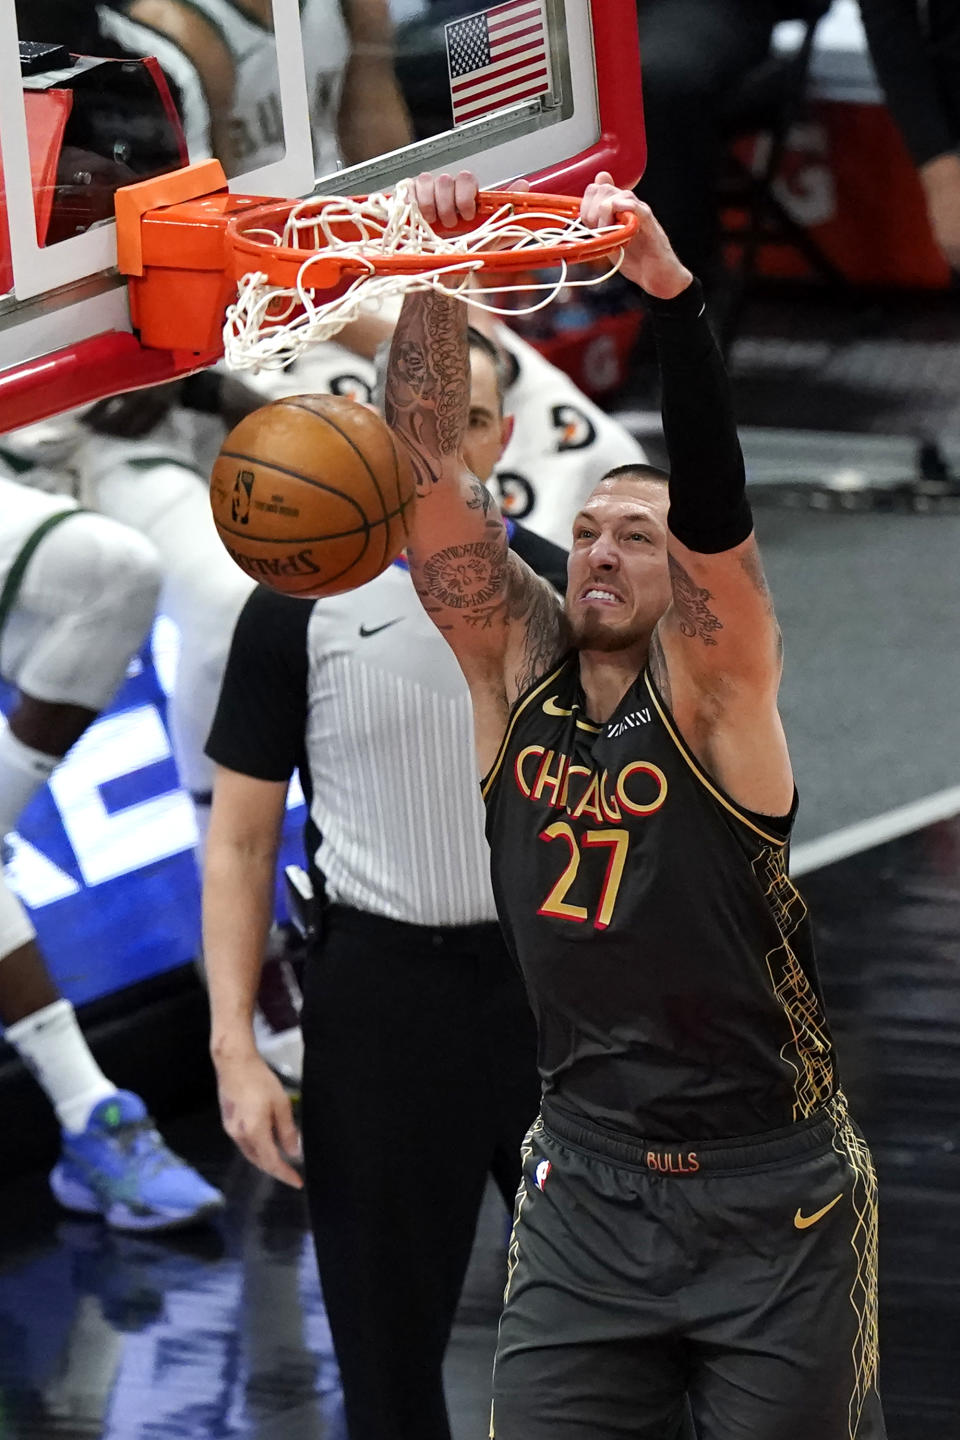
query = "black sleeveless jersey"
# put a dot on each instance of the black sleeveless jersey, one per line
(667, 954)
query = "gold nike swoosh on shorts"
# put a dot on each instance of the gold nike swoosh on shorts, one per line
(803, 1222)
(550, 707)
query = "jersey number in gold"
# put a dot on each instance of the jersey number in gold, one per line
(556, 902)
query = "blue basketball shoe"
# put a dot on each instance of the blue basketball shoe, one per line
(119, 1167)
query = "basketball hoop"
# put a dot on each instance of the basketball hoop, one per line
(307, 268)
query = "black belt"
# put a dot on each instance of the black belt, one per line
(363, 921)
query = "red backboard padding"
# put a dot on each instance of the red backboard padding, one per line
(47, 114)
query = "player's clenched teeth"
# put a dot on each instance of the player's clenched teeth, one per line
(605, 597)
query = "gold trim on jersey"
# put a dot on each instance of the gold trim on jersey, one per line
(808, 1052)
(513, 1249)
(704, 779)
(863, 1242)
(518, 710)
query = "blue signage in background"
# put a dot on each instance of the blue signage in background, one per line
(104, 856)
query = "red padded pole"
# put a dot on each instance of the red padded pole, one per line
(89, 370)
(622, 146)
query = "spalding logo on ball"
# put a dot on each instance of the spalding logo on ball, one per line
(311, 495)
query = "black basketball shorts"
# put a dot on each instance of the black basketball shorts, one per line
(738, 1279)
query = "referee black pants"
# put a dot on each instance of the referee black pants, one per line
(419, 1080)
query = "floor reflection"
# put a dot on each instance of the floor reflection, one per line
(222, 1333)
(889, 935)
(216, 1333)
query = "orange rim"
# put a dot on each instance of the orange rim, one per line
(282, 264)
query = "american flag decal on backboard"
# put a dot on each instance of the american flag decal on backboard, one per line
(497, 57)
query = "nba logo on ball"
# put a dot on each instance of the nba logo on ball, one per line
(543, 1170)
(242, 492)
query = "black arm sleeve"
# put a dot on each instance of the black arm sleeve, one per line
(916, 77)
(544, 558)
(708, 502)
(261, 717)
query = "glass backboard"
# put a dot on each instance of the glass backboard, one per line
(292, 96)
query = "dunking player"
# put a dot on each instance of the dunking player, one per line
(697, 1216)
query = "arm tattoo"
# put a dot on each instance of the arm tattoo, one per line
(411, 363)
(484, 617)
(464, 577)
(481, 499)
(657, 665)
(450, 363)
(427, 399)
(532, 603)
(691, 604)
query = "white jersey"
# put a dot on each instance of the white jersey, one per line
(24, 508)
(562, 444)
(63, 456)
(256, 121)
(81, 606)
(40, 456)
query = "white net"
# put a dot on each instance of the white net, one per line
(268, 326)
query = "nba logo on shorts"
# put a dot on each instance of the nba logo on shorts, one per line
(542, 1171)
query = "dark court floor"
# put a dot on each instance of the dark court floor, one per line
(222, 1333)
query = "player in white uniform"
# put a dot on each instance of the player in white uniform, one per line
(356, 108)
(156, 481)
(77, 597)
(151, 484)
(255, 120)
(561, 436)
(150, 479)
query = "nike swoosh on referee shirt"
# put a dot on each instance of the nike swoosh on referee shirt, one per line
(365, 633)
(803, 1222)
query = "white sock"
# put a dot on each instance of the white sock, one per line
(51, 1045)
(23, 771)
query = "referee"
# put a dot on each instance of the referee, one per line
(419, 1072)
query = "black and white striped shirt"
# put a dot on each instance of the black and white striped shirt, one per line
(363, 695)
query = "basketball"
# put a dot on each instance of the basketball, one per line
(311, 495)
